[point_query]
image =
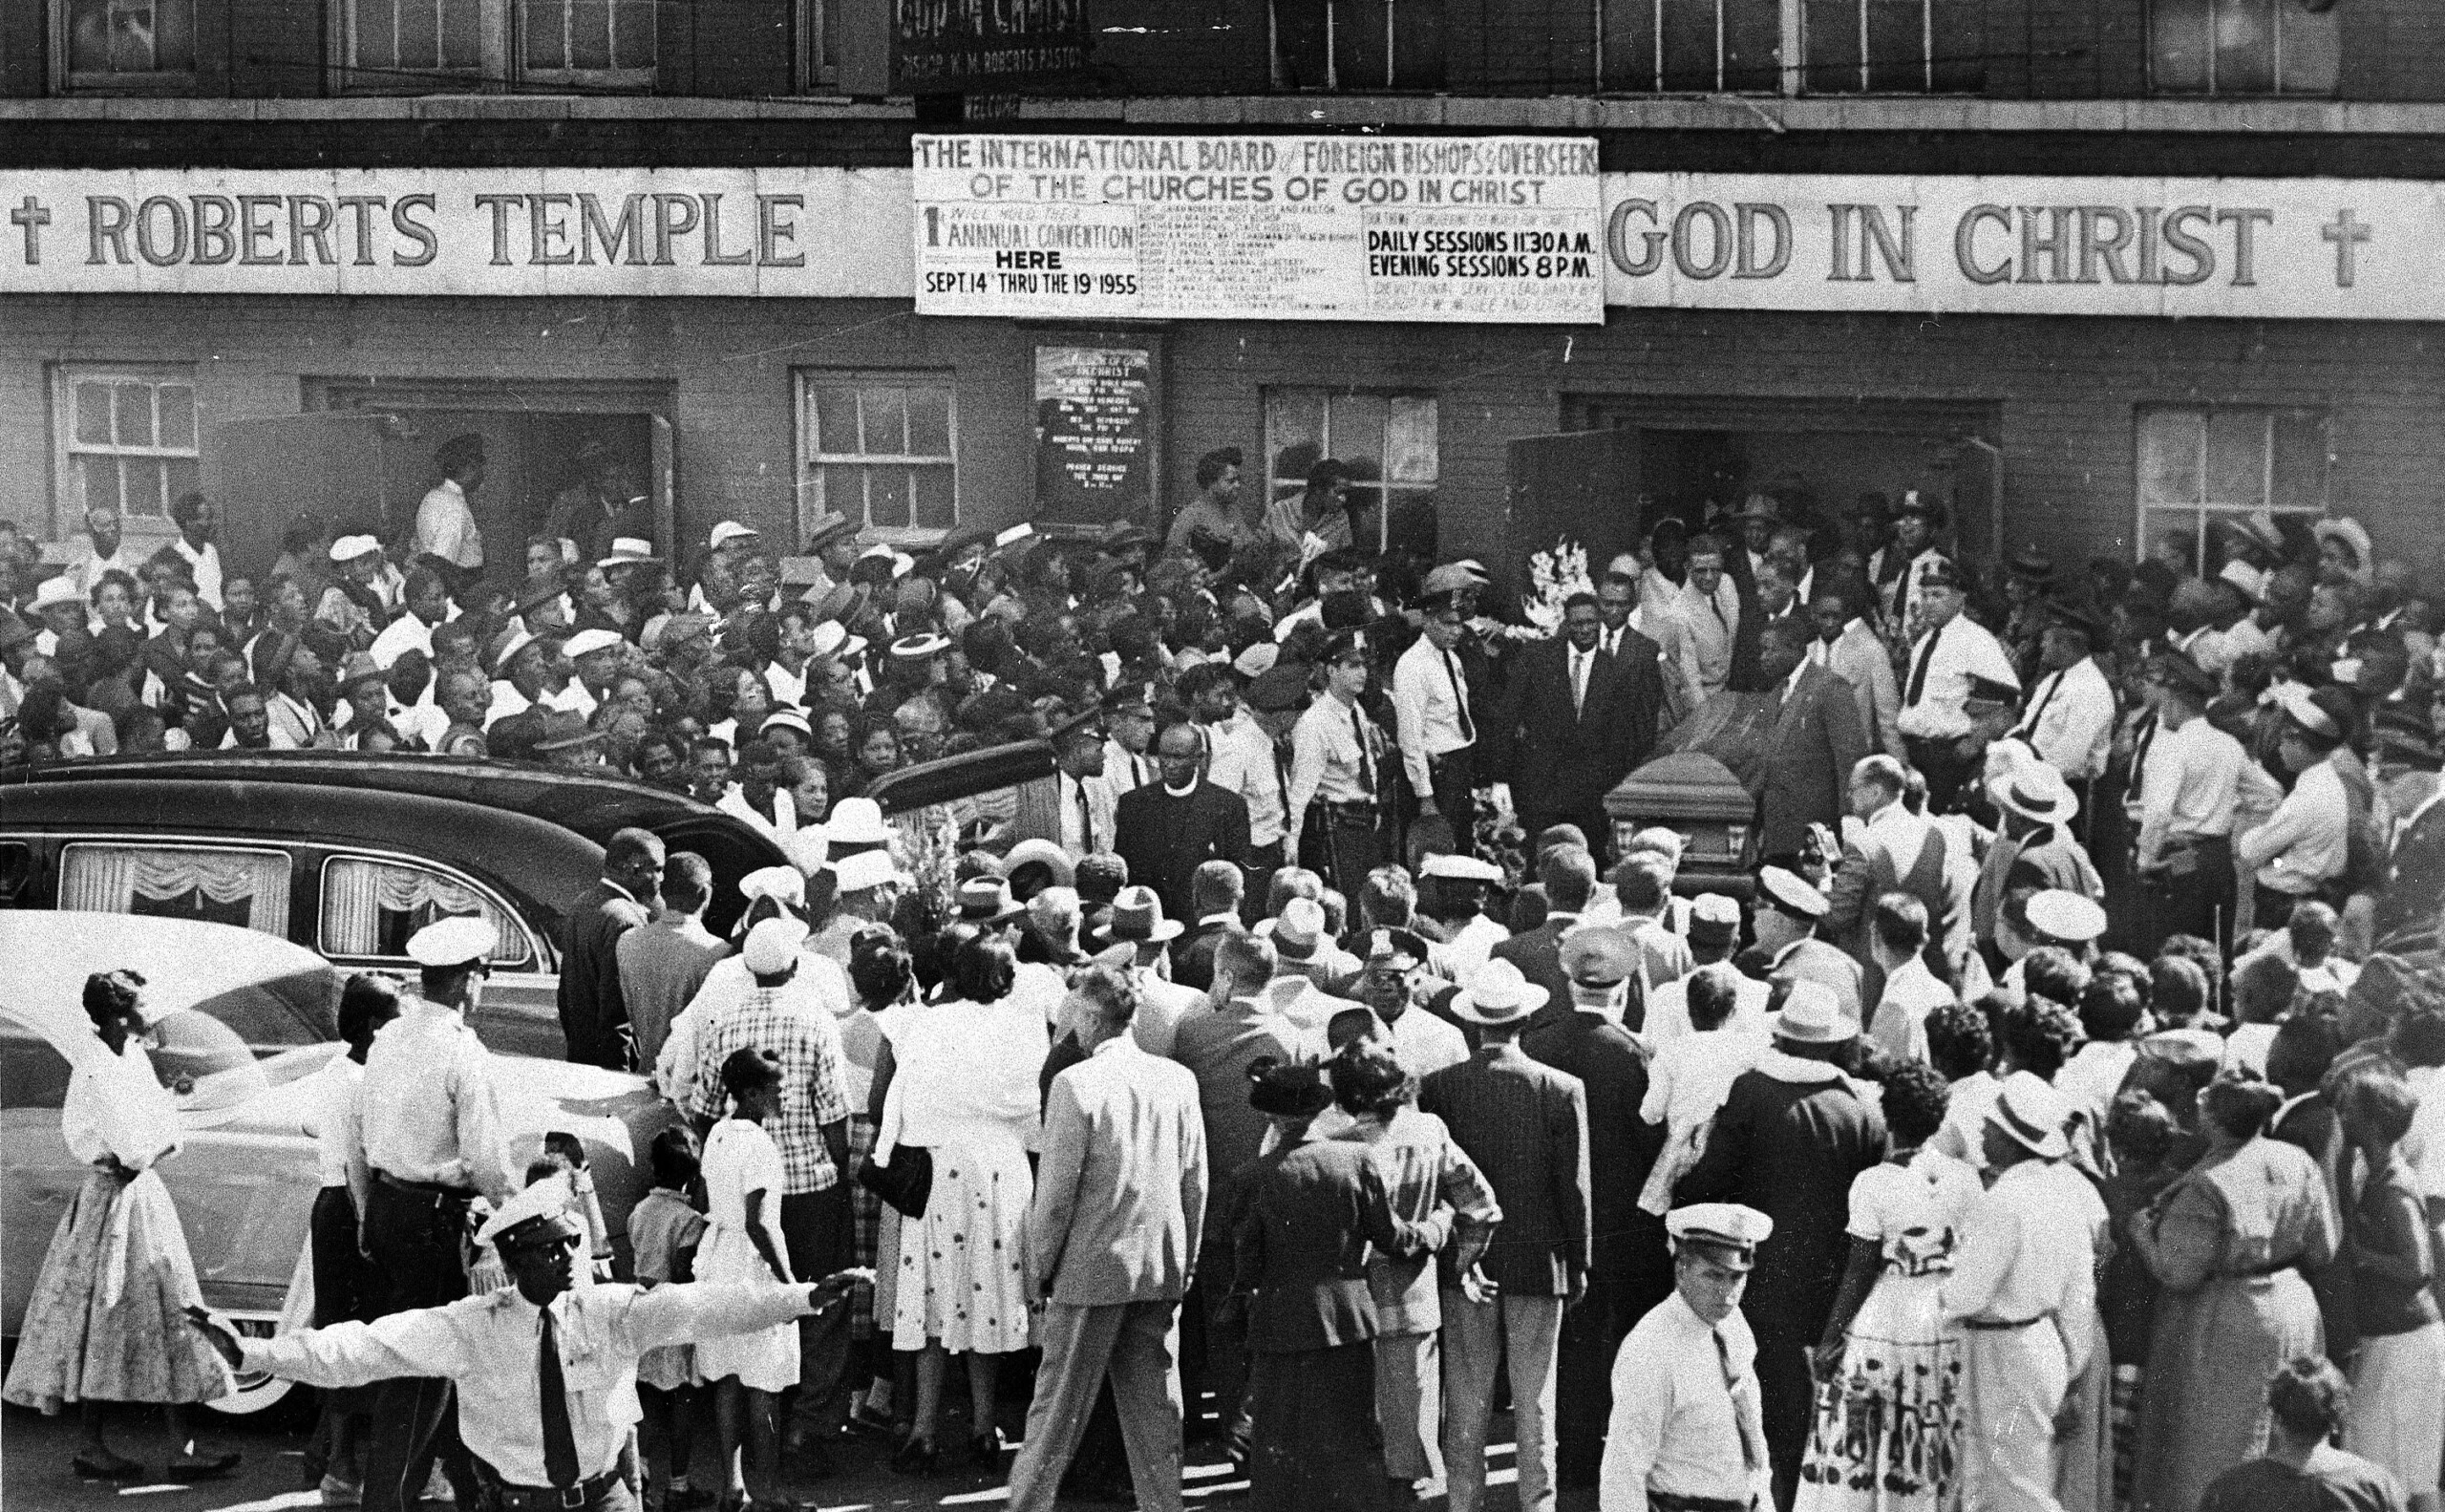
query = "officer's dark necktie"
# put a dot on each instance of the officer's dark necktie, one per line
(1460, 699)
(2028, 725)
(1086, 819)
(1366, 755)
(1919, 670)
(560, 1442)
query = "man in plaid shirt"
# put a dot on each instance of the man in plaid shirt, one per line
(785, 1016)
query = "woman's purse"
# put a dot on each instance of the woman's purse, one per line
(902, 1174)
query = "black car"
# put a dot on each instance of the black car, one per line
(348, 855)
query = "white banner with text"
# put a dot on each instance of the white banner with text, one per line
(1481, 229)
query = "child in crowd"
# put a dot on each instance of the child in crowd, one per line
(1690, 1077)
(743, 1245)
(664, 1231)
(2263, 992)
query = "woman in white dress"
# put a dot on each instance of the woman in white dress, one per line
(966, 1089)
(1888, 1434)
(106, 1323)
(743, 1245)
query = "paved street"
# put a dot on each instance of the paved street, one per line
(35, 1476)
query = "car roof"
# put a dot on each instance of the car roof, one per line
(270, 992)
(952, 777)
(594, 806)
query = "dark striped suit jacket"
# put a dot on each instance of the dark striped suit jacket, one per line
(1525, 1124)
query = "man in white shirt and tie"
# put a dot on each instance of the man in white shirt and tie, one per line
(1936, 725)
(1710, 606)
(1688, 1429)
(1432, 723)
(2071, 714)
(1129, 715)
(1084, 818)
(1240, 758)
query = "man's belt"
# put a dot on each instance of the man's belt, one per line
(501, 1496)
(1365, 812)
(2001, 1325)
(1671, 1502)
(434, 1191)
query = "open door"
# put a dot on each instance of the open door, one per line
(666, 512)
(1582, 486)
(328, 461)
(1978, 499)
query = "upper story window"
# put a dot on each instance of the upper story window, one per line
(2204, 467)
(1386, 440)
(124, 45)
(1842, 47)
(1357, 44)
(2241, 46)
(417, 46)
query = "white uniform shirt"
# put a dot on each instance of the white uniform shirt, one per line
(2189, 786)
(1326, 764)
(446, 527)
(2027, 1252)
(1243, 762)
(428, 1107)
(2304, 844)
(1684, 1398)
(491, 1346)
(1101, 811)
(2069, 720)
(1428, 692)
(1962, 650)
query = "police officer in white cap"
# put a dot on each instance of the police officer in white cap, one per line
(1688, 1434)
(1788, 911)
(435, 1139)
(545, 1373)
(2024, 1292)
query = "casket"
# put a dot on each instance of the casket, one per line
(1696, 796)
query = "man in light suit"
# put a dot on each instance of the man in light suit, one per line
(1074, 808)
(1806, 768)
(1113, 1237)
(1850, 651)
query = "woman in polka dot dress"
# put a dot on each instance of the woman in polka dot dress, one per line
(966, 1089)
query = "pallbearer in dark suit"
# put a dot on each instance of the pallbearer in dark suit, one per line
(1113, 1235)
(1582, 724)
(1339, 775)
(1171, 826)
(1816, 740)
(1309, 1211)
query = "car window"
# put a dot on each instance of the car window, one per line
(221, 885)
(370, 908)
(16, 869)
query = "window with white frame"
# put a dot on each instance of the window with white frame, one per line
(2199, 467)
(1843, 47)
(124, 44)
(123, 437)
(413, 45)
(2241, 46)
(879, 447)
(1385, 439)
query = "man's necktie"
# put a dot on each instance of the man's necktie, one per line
(2045, 695)
(1753, 1453)
(1085, 820)
(1366, 755)
(1460, 699)
(560, 1442)
(1817, 653)
(1578, 682)
(1715, 602)
(1919, 670)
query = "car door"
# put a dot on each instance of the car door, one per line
(369, 902)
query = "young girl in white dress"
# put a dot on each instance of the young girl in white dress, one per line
(743, 1245)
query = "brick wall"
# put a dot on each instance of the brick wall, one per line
(2064, 389)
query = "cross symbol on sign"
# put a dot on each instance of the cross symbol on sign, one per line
(2346, 233)
(28, 217)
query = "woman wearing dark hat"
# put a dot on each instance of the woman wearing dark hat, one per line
(1308, 1211)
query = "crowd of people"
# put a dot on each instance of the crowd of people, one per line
(2046, 1116)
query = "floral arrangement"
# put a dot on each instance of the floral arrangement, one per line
(1554, 575)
